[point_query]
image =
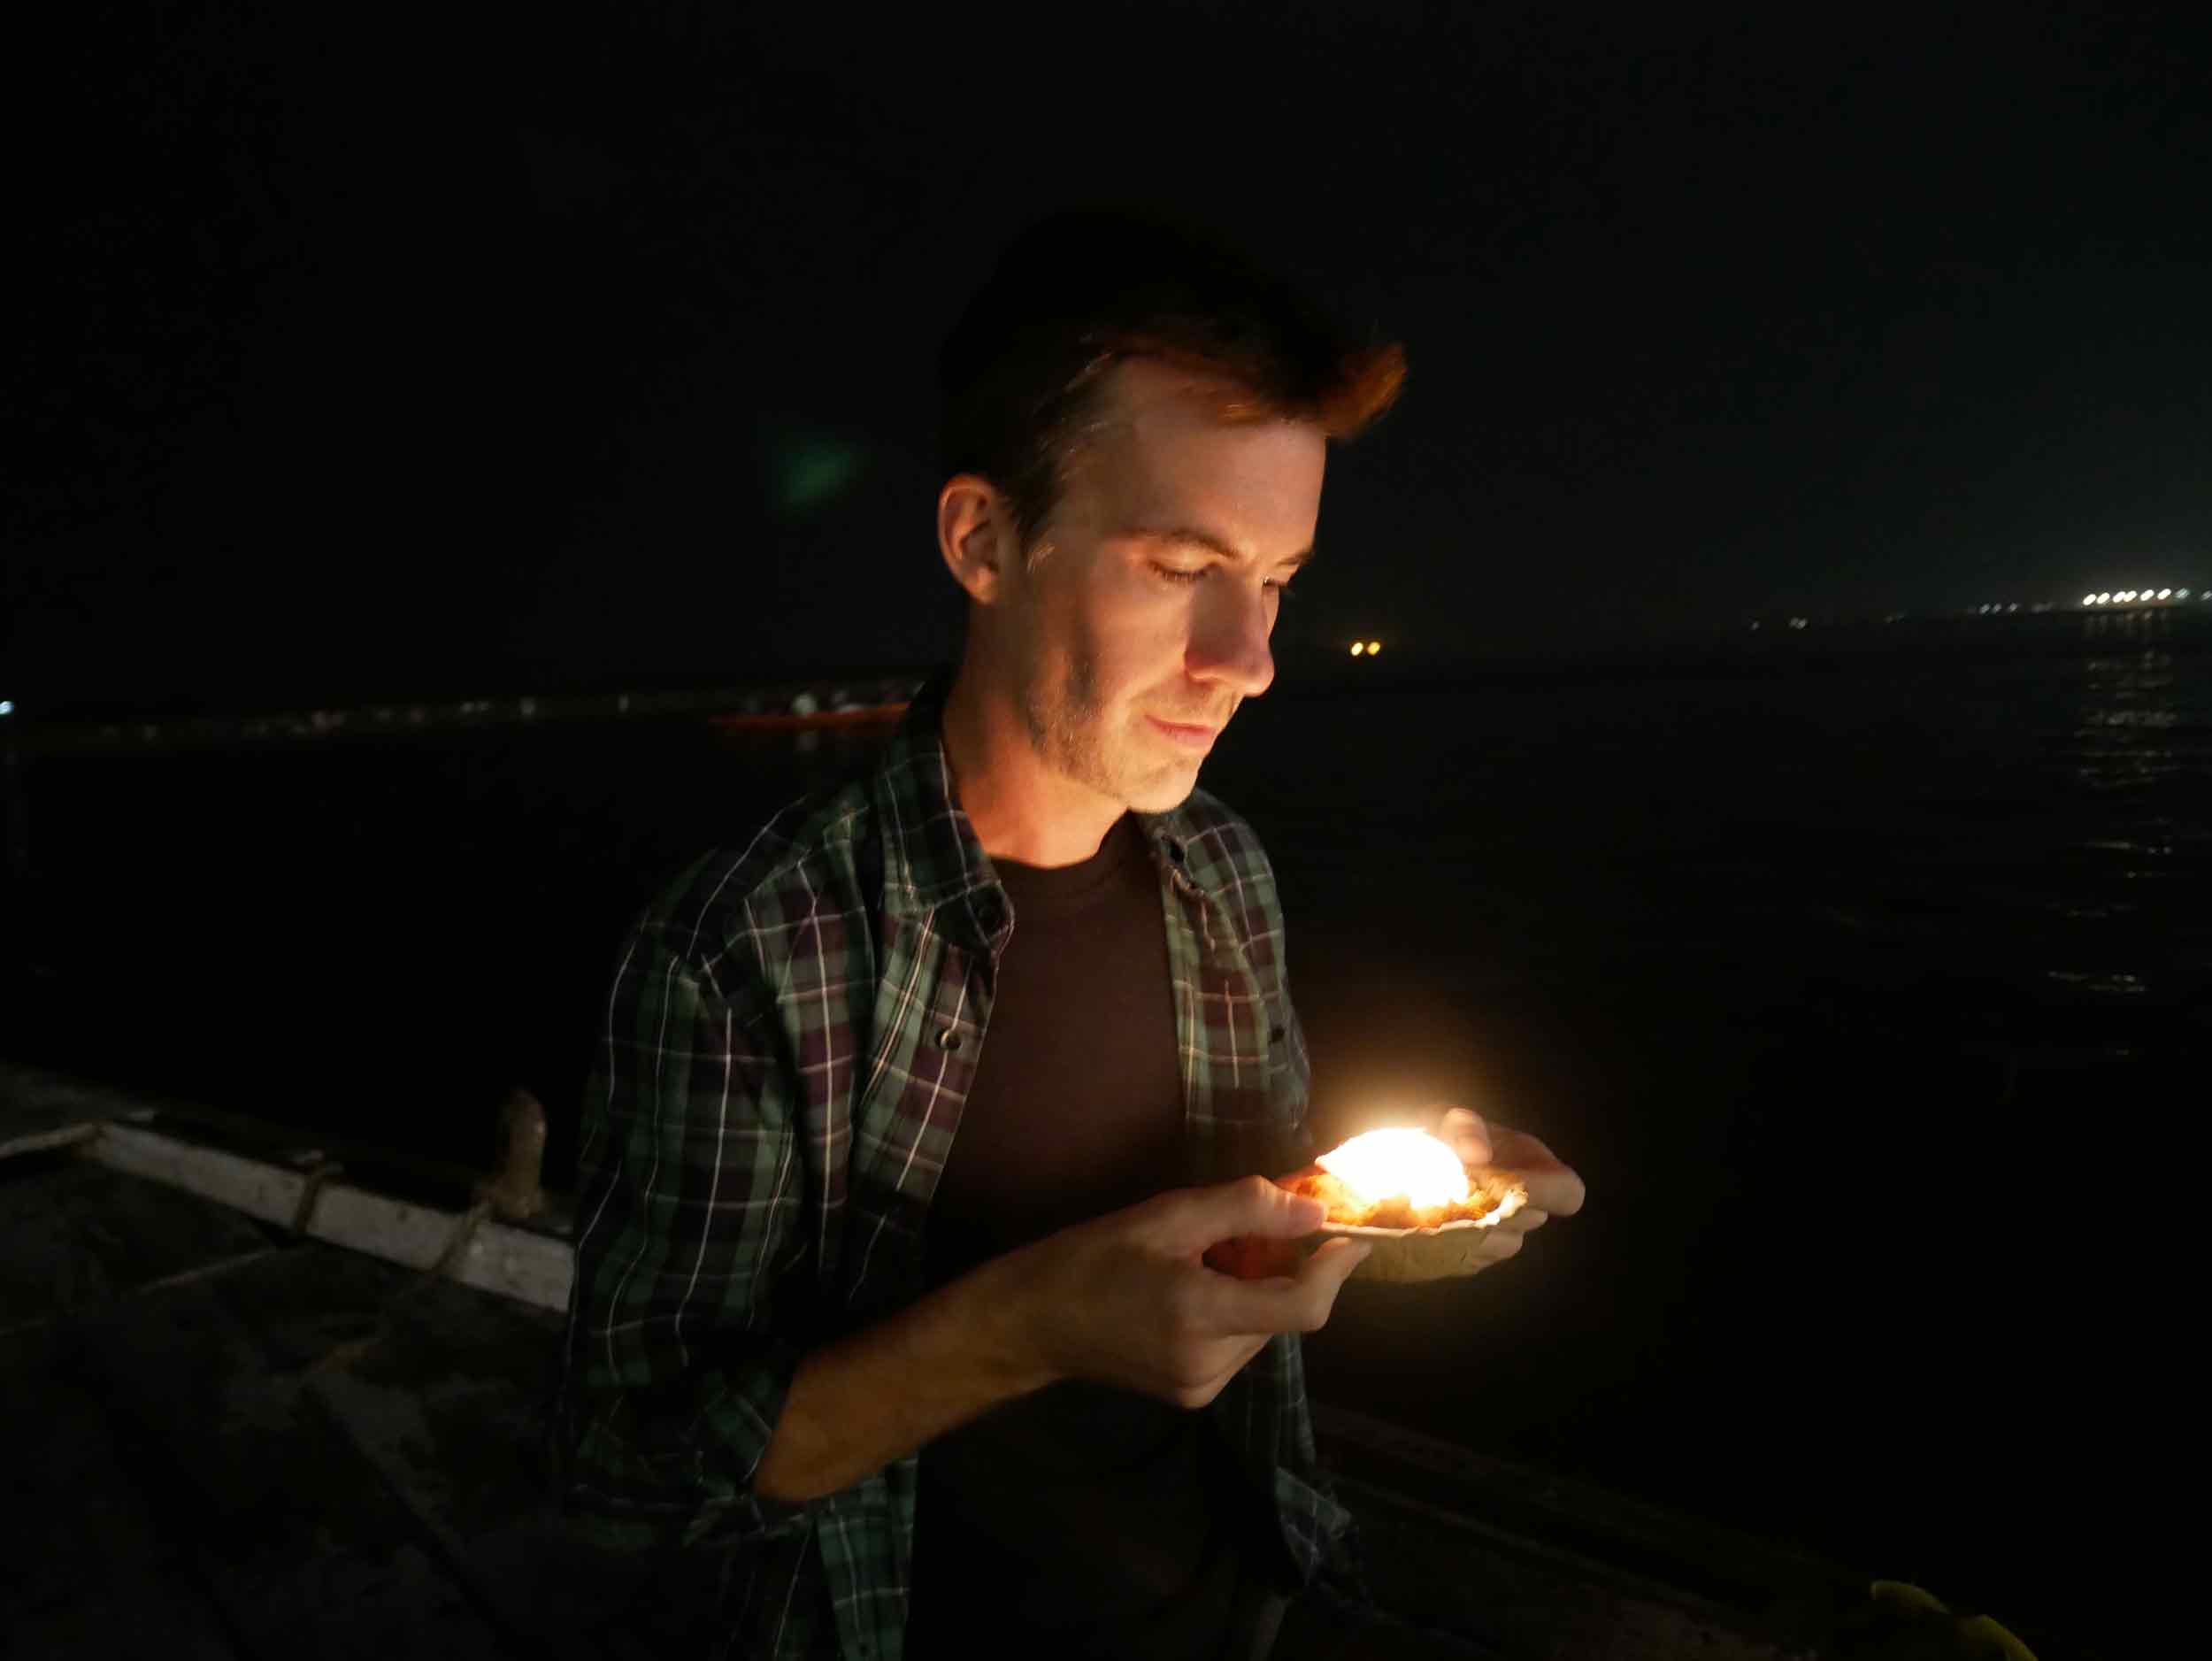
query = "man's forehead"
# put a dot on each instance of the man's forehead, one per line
(1154, 416)
(1151, 391)
(1162, 450)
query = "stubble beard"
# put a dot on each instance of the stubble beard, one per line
(1068, 725)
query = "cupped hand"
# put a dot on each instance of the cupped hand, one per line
(1126, 1299)
(1554, 1189)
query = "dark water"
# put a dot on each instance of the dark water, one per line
(1871, 995)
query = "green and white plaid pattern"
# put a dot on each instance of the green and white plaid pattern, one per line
(792, 1032)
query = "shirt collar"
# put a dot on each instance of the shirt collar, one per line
(932, 854)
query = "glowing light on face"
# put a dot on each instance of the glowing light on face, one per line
(1384, 1162)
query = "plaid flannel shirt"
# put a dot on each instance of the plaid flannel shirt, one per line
(792, 1032)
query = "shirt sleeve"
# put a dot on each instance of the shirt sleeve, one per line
(674, 1369)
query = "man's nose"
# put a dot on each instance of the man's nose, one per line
(1228, 643)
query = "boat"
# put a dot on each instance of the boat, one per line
(276, 1394)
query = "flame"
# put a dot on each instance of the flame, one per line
(1384, 1162)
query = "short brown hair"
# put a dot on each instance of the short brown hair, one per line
(1020, 372)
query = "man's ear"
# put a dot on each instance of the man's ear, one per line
(975, 534)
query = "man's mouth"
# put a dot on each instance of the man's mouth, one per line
(1191, 736)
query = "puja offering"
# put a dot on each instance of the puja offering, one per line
(1404, 1191)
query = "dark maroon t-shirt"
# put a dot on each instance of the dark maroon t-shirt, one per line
(1081, 1519)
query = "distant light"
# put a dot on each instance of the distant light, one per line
(2089, 599)
(2165, 594)
(2181, 594)
(2124, 596)
(1358, 646)
(1373, 646)
(2013, 606)
(7, 706)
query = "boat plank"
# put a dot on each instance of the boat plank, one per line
(1507, 1595)
(1762, 1584)
(73, 1232)
(88, 1569)
(441, 1389)
(300, 1544)
(37, 1113)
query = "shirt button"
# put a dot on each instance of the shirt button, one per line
(948, 1038)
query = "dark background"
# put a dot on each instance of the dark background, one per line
(403, 354)
(395, 351)
(1869, 988)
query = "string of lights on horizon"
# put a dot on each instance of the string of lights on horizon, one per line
(2140, 596)
(2106, 598)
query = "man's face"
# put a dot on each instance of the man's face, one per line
(1146, 620)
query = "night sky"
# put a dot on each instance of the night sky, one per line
(452, 351)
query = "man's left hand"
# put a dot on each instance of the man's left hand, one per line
(1553, 1189)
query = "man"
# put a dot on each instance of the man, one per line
(917, 1112)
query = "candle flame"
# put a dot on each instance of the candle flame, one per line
(1386, 1163)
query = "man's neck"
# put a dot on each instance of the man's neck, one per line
(1021, 811)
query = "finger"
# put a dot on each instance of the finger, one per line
(1280, 1305)
(1250, 1205)
(1527, 1217)
(1519, 1151)
(1555, 1193)
(1333, 1265)
(1467, 1134)
(1553, 1187)
(1250, 1258)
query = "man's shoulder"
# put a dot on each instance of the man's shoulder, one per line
(809, 855)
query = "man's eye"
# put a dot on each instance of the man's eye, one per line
(1278, 586)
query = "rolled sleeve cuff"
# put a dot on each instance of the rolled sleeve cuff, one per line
(673, 1464)
(739, 1409)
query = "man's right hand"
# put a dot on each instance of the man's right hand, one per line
(1126, 1299)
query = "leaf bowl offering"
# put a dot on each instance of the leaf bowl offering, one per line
(1413, 1243)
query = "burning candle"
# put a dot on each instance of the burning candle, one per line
(1384, 1164)
(1407, 1192)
